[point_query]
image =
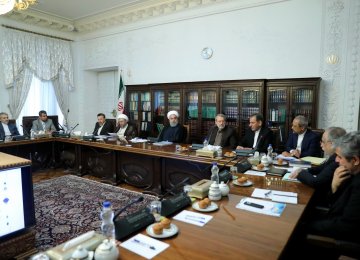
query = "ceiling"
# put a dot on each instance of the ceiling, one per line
(77, 9)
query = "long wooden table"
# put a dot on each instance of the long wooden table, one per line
(231, 234)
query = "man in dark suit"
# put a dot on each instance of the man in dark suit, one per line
(302, 141)
(43, 123)
(174, 132)
(320, 177)
(125, 130)
(343, 218)
(6, 129)
(102, 126)
(257, 136)
(221, 134)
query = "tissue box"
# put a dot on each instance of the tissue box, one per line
(200, 189)
(206, 153)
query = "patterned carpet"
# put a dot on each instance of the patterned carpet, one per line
(69, 205)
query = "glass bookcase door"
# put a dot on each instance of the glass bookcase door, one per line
(278, 110)
(145, 127)
(230, 106)
(159, 110)
(208, 110)
(192, 112)
(250, 104)
(134, 106)
(174, 100)
(302, 103)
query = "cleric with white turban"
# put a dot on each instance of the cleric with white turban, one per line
(122, 125)
(174, 132)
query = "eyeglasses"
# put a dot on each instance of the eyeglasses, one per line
(324, 142)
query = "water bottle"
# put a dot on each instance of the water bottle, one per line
(219, 153)
(206, 142)
(270, 153)
(107, 224)
(215, 173)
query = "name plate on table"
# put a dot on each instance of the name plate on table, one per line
(205, 153)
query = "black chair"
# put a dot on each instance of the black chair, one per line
(27, 123)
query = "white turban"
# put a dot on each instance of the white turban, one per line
(123, 116)
(172, 112)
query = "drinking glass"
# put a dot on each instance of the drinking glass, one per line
(187, 189)
(155, 209)
(233, 171)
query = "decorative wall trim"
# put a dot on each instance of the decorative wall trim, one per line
(133, 13)
(339, 104)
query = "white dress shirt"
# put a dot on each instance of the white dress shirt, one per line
(6, 129)
(256, 137)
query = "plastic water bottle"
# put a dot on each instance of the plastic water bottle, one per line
(215, 173)
(206, 143)
(107, 224)
(270, 153)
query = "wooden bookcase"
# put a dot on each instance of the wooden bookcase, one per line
(199, 102)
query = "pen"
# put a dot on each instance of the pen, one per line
(198, 217)
(284, 195)
(195, 220)
(143, 244)
(228, 212)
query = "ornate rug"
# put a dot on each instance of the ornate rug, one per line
(68, 206)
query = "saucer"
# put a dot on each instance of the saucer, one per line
(167, 232)
(262, 170)
(245, 184)
(212, 207)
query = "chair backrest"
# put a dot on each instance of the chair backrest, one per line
(27, 123)
(12, 121)
(187, 138)
(318, 131)
(113, 122)
(278, 144)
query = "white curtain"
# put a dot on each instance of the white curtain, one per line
(48, 59)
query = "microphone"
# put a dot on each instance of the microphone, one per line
(139, 199)
(25, 132)
(72, 129)
(174, 188)
(61, 127)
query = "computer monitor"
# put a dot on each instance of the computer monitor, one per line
(17, 211)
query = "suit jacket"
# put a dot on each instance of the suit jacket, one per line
(13, 130)
(310, 145)
(37, 125)
(107, 128)
(343, 218)
(130, 131)
(228, 139)
(265, 138)
(175, 134)
(320, 178)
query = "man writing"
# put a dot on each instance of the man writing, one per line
(257, 136)
(43, 123)
(7, 129)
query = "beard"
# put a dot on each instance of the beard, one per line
(221, 127)
(173, 124)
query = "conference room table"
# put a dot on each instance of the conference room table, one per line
(231, 234)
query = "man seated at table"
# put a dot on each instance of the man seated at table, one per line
(320, 177)
(343, 218)
(174, 132)
(222, 135)
(103, 126)
(125, 130)
(7, 129)
(43, 123)
(257, 136)
(302, 141)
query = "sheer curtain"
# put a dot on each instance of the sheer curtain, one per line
(41, 96)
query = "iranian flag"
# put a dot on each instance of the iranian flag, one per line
(121, 96)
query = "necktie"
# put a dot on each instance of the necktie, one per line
(218, 138)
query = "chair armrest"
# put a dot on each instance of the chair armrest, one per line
(322, 241)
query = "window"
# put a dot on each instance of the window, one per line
(41, 97)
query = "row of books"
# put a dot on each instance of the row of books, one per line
(246, 112)
(145, 126)
(134, 97)
(146, 105)
(193, 97)
(146, 116)
(277, 115)
(277, 96)
(231, 112)
(250, 96)
(134, 115)
(133, 105)
(303, 95)
(145, 96)
(208, 111)
(209, 97)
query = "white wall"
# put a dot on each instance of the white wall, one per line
(280, 40)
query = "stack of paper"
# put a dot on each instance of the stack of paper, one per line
(287, 178)
(162, 143)
(194, 218)
(313, 160)
(275, 195)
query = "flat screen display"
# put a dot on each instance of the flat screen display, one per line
(17, 210)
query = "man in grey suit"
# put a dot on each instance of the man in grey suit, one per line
(43, 123)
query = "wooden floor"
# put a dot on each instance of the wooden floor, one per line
(54, 173)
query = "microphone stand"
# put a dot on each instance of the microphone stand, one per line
(72, 129)
(161, 197)
(139, 199)
(25, 132)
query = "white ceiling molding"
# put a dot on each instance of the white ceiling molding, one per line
(131, 14)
